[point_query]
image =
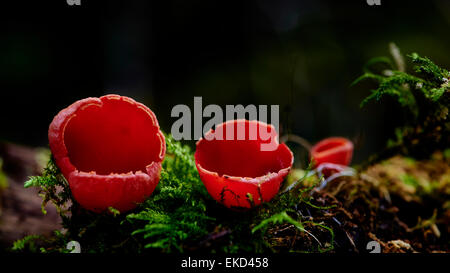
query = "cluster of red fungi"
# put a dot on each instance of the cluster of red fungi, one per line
(110, 150)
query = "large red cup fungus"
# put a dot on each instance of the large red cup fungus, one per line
(110, 151)
(336, 150)
(238, 172)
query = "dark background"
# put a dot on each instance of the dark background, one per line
(302, 55)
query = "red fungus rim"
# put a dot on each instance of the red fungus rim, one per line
(331, 145)
(91, 145)
(247, 179)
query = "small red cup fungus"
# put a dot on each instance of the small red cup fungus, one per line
(235, 167)
(110, 151)
(336, 150)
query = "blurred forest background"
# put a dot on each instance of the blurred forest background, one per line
(302, 55)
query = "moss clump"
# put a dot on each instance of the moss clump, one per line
(3, 180)
(27, 243)
(3, 184)
(176, 214)
(52, 188)
(425, 93)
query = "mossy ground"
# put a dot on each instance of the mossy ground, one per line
(179, 216)
(400, 202)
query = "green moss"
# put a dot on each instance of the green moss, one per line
(176, 212)
(52, 188)
(432, 82)
(276, 219)
(425, 93)
(3, 180)
(27, 243)
(410, 180)
(447, 154)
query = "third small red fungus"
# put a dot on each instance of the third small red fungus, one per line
(337, 150)
(110, 151)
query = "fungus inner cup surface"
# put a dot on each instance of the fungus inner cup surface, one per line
(239, 165)
(114, 137)
(109, 149)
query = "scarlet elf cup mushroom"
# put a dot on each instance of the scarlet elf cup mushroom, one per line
(110, 151)
(237, 167)
(335, 150)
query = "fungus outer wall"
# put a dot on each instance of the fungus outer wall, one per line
(237, 173)
(110, 151)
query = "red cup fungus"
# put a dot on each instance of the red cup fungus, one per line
(110, 150)
(235, 170)
(336, 150)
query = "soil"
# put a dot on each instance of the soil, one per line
(400, 203)
(20, 208)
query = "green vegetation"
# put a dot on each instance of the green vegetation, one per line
(3, 180)
(52, 188)
(176, 212)
(3, 184)
(26, 243)
(425, 95)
